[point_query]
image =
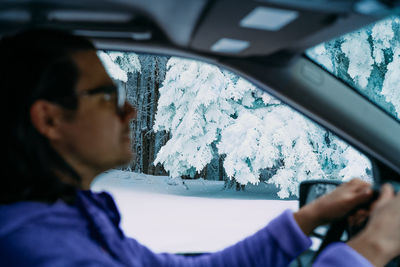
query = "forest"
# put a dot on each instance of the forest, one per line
(197, 120)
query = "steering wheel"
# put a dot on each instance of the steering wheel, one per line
(310, 190)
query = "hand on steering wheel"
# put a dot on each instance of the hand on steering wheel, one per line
(374, 226)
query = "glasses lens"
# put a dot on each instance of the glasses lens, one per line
(121, 96)
(109, 91)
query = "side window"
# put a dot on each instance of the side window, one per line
(373, 69)
(205, 135)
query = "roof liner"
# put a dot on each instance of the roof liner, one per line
(175, 19)
(197, 24)
(310, 27)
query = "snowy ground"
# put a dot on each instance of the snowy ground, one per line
(200, 218)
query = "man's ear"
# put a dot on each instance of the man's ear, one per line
(45, 117)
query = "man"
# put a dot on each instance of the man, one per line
(67, 123)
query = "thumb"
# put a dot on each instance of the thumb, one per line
(386, 194)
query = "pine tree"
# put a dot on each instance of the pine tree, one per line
(191, 109)
(211, 112)
(372, 68)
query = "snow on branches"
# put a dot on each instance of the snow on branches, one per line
(210, 111)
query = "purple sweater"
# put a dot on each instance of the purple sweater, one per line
(88, 234)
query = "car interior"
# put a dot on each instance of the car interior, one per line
(263, 41)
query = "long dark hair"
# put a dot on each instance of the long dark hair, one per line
(36, 64)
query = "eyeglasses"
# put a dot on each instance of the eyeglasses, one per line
(109, 91)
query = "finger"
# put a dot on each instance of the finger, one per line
(363, 192)
(358, 200)
(359, 186)
(386, 194)
(358, 218)
(361, 219)
(362, 213)
(356, 188)
(354, 182)
(387, 191)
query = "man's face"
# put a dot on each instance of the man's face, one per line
(95, 138)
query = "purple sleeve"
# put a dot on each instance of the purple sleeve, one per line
(275, 245)
(340, 254)
(41, 246)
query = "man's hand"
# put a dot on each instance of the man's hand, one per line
(379, 242)
(334, 205)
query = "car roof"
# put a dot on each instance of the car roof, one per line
(235, 34)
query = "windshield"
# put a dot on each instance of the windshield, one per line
(367, 60)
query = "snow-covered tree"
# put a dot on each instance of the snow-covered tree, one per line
(211, 111)
(191, 109)
(141, 74)
(119, 64)
(268, 133)
(373, 67)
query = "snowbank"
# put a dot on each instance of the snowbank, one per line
(171, 218)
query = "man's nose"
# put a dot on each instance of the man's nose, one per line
(129, 112)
